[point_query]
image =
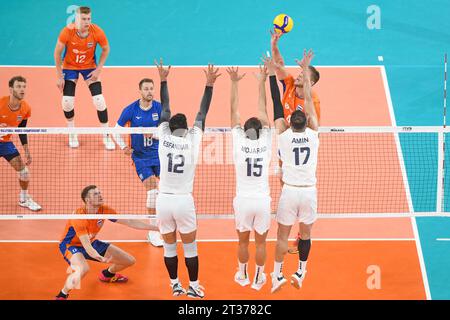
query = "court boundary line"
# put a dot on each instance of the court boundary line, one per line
(406, 184)
(191, 66)
(223, 240)
(212, 216)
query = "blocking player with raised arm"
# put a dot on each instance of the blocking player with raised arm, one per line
(298, 145)
(252, 149)
(293, 92)
(144, 112)
(79, 244)
(175, 209)
(79, 41)
(15, 112)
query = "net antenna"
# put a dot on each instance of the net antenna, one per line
(442, 138)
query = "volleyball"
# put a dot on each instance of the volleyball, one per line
(283, 23)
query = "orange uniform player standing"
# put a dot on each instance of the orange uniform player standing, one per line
(75, 55)
(293, 94)
(14, 112)
(79, 244)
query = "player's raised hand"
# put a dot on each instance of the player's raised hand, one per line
(274, 37)
(211, 75)
(270, 64)
(234, 74)
(261, 76)
(163, 72)
(306, 60)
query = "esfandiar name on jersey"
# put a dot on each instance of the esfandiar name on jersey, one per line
(300, 140)
(177, 146)
(253, 150)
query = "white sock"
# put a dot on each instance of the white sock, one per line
(243, 268)
(301, 266)
(194, 284)
(71, 123)
(23, 195)
(105, 125)
(173, 281)
(259, 271)
(277, 268)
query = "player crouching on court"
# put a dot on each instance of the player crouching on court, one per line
(14, 112)
(252, 150)
(78, 243)
(175, 209)
(298, 146)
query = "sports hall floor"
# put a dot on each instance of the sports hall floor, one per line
(392, 76)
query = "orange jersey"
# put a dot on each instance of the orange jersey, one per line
(291, 102)
(76, 228)
(12, 118)
(80, 52)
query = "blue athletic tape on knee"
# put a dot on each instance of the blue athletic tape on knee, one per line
(69, 88)
(151, 198)
(170, 250)
(24, 174)
(190, 249)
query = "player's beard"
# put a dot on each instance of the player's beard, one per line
(18, 96)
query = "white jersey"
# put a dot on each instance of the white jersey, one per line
(298, 151)
(178, 157)
(252, 161)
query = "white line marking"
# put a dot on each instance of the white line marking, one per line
(221, 240)
(191, 66)
(406, 184)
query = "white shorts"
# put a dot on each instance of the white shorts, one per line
(252, 213)
(297, 204)
(175, 212)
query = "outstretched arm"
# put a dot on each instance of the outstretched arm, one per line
(234, 103)
(211, 76)
(280, 70)
(164, 91)
(262, 103)
(313, 123)
(278, 114)
(137, 224)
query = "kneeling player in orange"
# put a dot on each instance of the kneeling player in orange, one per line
(78, 243)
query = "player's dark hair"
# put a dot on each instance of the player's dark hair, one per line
(16, 78)
(145, 80)
(84, 10)
(178, 122)
(298, 120)
(85, 192)
(315, 75)
(252, 125)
